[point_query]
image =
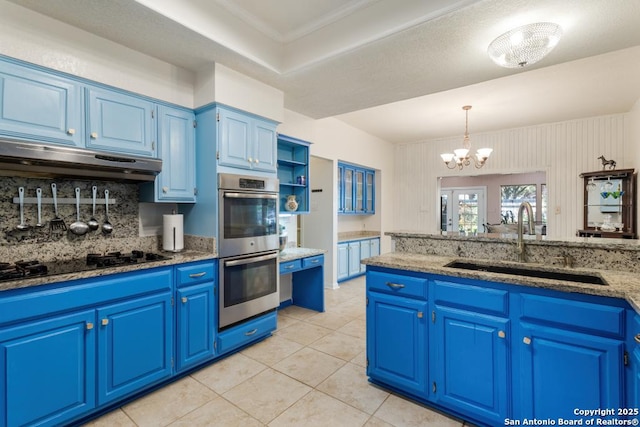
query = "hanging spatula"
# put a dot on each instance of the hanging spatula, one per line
(57, 223)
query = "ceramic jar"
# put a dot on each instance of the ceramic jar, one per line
(291, 204)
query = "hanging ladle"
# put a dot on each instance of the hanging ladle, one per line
(79, 228)
(107, 228)
(93, 223)
(40, 224)
(22, 226)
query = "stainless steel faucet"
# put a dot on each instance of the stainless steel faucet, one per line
(532, 230)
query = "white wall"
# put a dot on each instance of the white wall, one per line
(563, 150)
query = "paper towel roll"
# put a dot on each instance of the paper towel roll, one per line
(172, 233)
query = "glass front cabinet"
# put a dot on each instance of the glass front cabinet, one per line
(609, 204)
(356, 190)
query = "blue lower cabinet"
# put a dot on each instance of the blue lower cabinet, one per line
(397, 338)
(238, 336)
(135, 345)
(47, 370)
(195, 325)
(471, 373)
(561, 370)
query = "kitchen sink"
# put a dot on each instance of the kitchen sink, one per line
(530, 272)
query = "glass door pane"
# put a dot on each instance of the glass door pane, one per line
(348, 190)
(359, 191)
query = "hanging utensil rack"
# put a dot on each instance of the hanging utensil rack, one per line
(64, 201)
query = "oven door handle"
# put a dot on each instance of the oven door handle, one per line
(249, 196)
(243, 261)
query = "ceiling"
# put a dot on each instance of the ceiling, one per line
(398, 69)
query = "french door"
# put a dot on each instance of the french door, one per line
(463, 209)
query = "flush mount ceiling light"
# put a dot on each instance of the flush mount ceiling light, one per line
(525, 45)
(460, 157)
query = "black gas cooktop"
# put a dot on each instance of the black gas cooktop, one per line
(29, 269)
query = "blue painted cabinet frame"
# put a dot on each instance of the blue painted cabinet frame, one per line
(293, 172)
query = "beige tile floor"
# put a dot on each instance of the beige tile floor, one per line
(311, 372)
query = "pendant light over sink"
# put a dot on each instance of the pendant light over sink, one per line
(460, 157)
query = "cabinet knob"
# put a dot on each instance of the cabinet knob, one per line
(256, 161)
(165, 189)
(637, 338)
(420, 315)
(184, 300)
(105, 322)
(94, 135)
(71, 131)
(250, 159)
(89, 325)
(501, 334)
(526, 340)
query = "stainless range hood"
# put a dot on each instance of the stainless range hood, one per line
(18, 158)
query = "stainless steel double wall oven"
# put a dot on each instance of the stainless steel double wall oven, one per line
(248, 247)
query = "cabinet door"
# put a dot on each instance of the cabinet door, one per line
(120, 123)
(135, 344)
(343, 261)
(196, 317)
(354, 259)
(471, 365)
(561, 370)
(47, 370)
(234, 140)
(176, 145)
(347, 190)
(41, 106)
(365, 252)
(375, 247)
(359, 190)
(265, 152)
(397, 337)
(369, 193)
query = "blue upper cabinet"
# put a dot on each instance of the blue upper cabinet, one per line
(293, 172)
(120, 123)
(356, 189)
(246, 141)
(177, 149)
(40, 106)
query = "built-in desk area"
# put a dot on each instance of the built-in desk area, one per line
(302, 278)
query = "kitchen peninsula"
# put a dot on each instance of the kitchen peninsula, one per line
(500, 346)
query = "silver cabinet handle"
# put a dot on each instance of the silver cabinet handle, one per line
(184, 300)
(196, 275)
(94, 135)
(526, 340)
(71, 131)
(251, 332)
(637, 338)
(289, 267)
(395, 285)
(501, 334)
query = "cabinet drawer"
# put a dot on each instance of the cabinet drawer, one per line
(476, 298)
(245, 333)
(195, 273)
(290, 266)
(397, 284)
(314, 261)
(585, 316)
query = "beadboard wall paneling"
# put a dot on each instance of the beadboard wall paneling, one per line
(563, 150)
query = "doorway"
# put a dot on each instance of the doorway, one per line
(463, 209)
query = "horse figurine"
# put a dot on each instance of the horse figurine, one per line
(610, 163)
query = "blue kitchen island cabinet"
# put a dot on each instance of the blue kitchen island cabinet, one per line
(491, 352)
(196, 315)
(398, 331)
(471, 365)
(571, 355)
(48, 370)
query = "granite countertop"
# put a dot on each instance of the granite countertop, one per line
(174, 258)
(290, 254)
(620, 284)
(355, 235)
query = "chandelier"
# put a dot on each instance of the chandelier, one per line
(524, 45)
(460, 157)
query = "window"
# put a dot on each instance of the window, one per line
(511, 196)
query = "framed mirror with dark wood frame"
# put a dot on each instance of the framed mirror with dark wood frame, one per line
(609, 204)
